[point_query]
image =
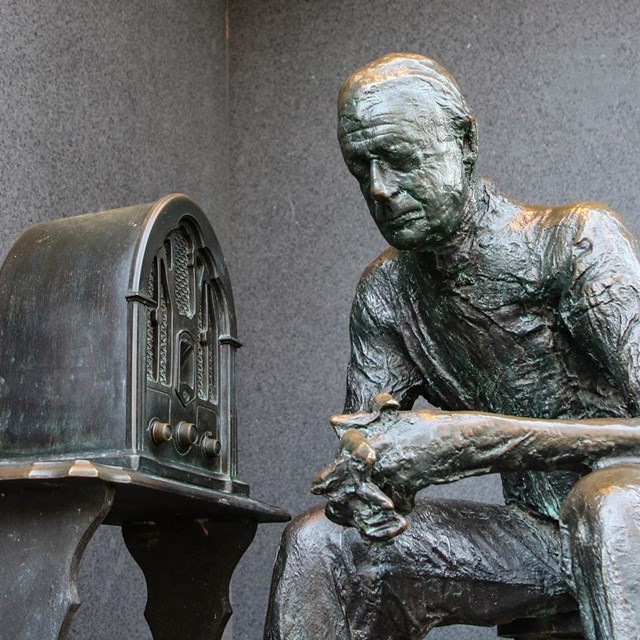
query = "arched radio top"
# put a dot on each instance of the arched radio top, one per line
(177, 216)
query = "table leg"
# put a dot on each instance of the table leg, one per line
(43, 533)
(188, 567)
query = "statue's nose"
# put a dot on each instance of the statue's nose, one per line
(383, 185)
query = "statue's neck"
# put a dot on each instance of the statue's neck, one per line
(452, 253)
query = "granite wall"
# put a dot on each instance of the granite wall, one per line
(113, 103)
(106, 104)
(555, 86)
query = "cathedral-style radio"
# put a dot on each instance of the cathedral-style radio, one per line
(117, 349)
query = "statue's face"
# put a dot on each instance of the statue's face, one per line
(408, 159)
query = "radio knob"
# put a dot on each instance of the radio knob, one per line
(186, 434)
(161, 432)
(211, 446)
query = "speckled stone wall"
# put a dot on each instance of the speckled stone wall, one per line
(105, 104)
(113, 103)
(555, 86)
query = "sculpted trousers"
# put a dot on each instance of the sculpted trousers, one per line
(466, 563)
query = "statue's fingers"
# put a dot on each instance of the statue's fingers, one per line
(374, 495)
(383, 527)
(356, 446)
(330, 478)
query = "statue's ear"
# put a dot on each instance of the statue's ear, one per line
(470, 145)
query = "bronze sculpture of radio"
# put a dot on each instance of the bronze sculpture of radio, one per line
(117, 345)
(117, 405)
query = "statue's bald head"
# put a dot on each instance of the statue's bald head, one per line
(423, 83)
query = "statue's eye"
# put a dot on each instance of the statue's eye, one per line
(358, 168)
(403, 159)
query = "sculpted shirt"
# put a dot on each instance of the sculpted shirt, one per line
(535, 314)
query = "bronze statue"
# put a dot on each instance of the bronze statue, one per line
(522, 323)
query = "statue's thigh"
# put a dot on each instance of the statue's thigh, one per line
(459, 562)
(601, 539)
(600, 517)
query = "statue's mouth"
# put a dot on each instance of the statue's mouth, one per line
(399, 218)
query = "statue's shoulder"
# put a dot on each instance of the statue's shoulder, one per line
(592, 217)
(586, 225)
(565, 223)
(583, 214)
(510, 215)
(379, 286)
(383, 268)
(542, 242)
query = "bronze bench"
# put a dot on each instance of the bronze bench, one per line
(566, 626)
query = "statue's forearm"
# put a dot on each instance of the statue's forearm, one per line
(510, 444)
(423, 448)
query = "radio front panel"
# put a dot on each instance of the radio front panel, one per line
(184, 322)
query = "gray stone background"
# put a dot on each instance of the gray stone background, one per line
(105, 104)
(119, 102)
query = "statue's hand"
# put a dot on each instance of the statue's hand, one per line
(385, 457)
(353, 499)
(416, 449)
(412, 449)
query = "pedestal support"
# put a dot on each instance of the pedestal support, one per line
(43, 534)
(188, 567)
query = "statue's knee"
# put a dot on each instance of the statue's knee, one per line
(309, 529)
(311, 539)
(604, 498)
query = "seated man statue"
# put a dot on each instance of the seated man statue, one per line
(521, 323)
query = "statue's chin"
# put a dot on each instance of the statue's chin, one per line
(420, 235)
(410, 240)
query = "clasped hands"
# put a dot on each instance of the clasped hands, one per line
(385, 457)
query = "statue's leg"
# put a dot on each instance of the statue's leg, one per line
(458, 562)
(601, 539)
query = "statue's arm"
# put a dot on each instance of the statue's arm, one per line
(379, 360)
(415, 449)
(385, 458)
(601, 305)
